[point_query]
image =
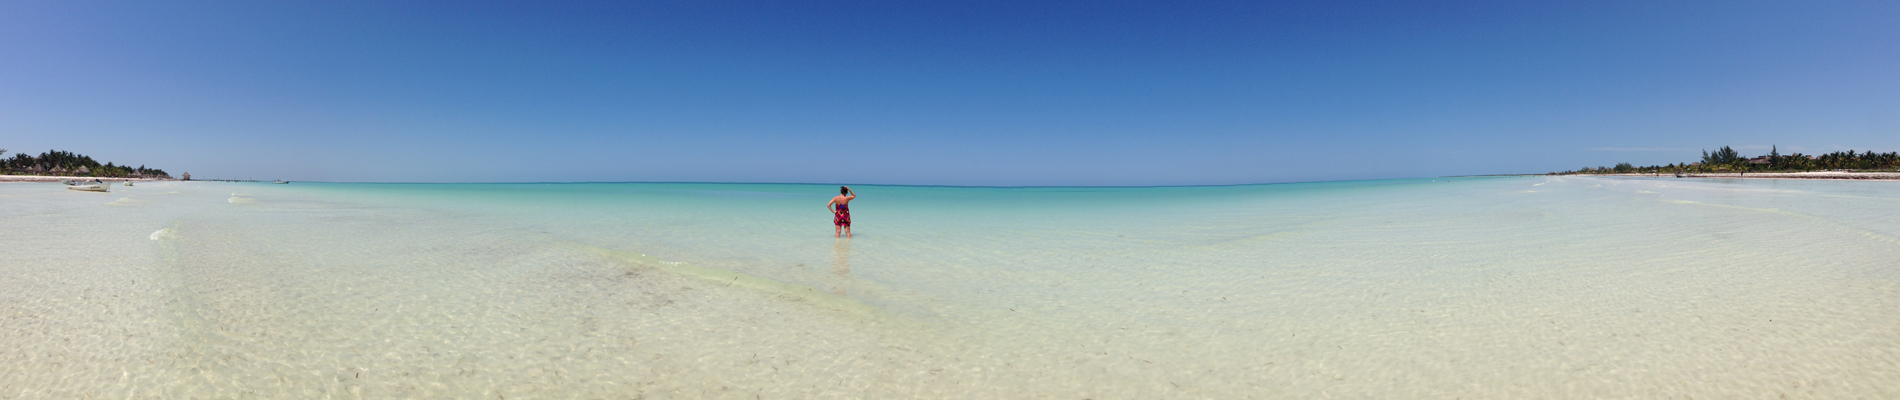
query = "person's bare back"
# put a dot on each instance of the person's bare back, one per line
(841, 211)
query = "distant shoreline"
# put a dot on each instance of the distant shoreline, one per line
(38, 178)
(1825, 175)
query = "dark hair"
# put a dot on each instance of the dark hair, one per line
(843, 190)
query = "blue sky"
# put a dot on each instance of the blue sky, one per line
(952, 93)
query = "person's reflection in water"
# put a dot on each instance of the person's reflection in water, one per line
(841, 264)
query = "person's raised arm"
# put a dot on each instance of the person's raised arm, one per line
(853, 193)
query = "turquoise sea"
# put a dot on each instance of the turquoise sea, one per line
(1512, 287)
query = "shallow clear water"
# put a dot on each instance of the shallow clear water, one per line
(1476, 287)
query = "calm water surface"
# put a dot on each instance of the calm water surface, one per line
(1474, 288)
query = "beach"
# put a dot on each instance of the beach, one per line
(1495, 287)
(1829, 175)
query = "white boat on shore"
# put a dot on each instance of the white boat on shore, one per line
(88, 186)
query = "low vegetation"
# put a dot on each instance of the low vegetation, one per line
(63, 163)
(1726, 159)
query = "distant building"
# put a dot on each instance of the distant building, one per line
(187, 176)
(1763, 160)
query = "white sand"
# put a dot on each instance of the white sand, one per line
(1843, 175)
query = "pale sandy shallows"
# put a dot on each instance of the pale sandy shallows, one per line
(1476, 288)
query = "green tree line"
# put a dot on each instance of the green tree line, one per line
(1727, 159)
(65, 163)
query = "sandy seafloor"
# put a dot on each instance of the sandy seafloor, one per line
(1524, 287)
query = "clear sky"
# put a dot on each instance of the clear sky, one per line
(950, 92)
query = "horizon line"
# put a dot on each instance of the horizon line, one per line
(869, 184)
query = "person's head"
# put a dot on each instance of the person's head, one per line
(843, 190)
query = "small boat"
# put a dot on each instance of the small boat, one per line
(280, 181)
(88, 186)
(128, 183)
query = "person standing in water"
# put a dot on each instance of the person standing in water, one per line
(841, 215)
